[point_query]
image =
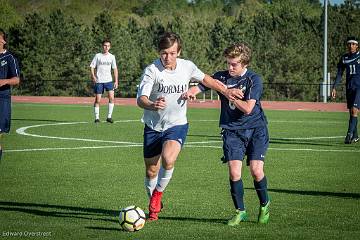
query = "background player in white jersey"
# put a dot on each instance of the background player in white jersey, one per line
(101, 75)
(160, 95)
(9, 76)
(351, 63)
(244, 130)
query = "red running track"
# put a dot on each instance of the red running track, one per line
(273, 105)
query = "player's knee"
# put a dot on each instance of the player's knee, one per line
(235, 175)
(257, 173)
(151, 172)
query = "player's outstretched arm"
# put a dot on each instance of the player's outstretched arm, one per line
(10, 81)
(231, 94)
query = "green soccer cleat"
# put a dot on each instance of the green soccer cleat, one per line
(240, 216)
(264, 213)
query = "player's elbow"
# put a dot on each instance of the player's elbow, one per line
(247, 111)
(140, 101)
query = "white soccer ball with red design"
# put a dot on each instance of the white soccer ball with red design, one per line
(132, 218)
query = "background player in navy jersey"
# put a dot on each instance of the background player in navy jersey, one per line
(9, 76)
(160, 95)
(351, 63)
(100, 67)
(244, 129)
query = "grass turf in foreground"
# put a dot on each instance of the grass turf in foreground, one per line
(74, 189)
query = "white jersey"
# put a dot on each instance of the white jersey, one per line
(103, 64)
(157, 81)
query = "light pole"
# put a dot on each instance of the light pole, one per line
(325, 74)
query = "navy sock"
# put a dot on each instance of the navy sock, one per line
(352, 125)
(355, 132)
(0, 153)
(237, 194)
(261, 190)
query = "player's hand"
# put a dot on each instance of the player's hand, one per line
(160, 103)
(3, 82)
(116, 85)
(333, 93)
(188, 96)
(234, 94)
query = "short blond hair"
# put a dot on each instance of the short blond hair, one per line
(240, 50)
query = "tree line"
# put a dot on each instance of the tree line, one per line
(286, 36)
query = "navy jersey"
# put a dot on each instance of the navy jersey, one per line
(9, 68)
(351, 63)
(231, 117)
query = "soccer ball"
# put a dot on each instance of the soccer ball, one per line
(132, 218)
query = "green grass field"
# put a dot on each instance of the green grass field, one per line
(63, 177)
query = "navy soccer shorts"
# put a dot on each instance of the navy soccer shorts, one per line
(154, 140)
(250, 142)
(99, 88)
(353, 98)
(5, 114)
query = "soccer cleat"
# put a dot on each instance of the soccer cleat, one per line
(152, 216)
(109, 120)
(240, 216)
(155, 205)
(264, 213)
(97, 121)
(354, 139)
(348, 138)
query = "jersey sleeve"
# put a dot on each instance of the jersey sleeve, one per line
(146, 84)
(254, 88)
(113, 63)
(14, 69)
(196, 74)
(93, 62)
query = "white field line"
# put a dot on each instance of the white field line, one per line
(22, 131)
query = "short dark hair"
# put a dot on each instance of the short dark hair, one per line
(167, 40)
(105, 41)
(4, 35)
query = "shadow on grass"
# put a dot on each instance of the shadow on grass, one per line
(38, 120)
(302, 142)
(314, 193)
(48, 210)
(189, 219)
(106, 229)
(216, 137)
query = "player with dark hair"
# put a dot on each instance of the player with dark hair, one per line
(160, 95)
(244, 129)
(351, 63)
(9, 76)
(100, 67)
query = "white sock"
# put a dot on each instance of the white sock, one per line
(150, 185)
(111, 108)
(97, 112)
(164, 178)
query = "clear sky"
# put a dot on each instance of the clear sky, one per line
(335, 1)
